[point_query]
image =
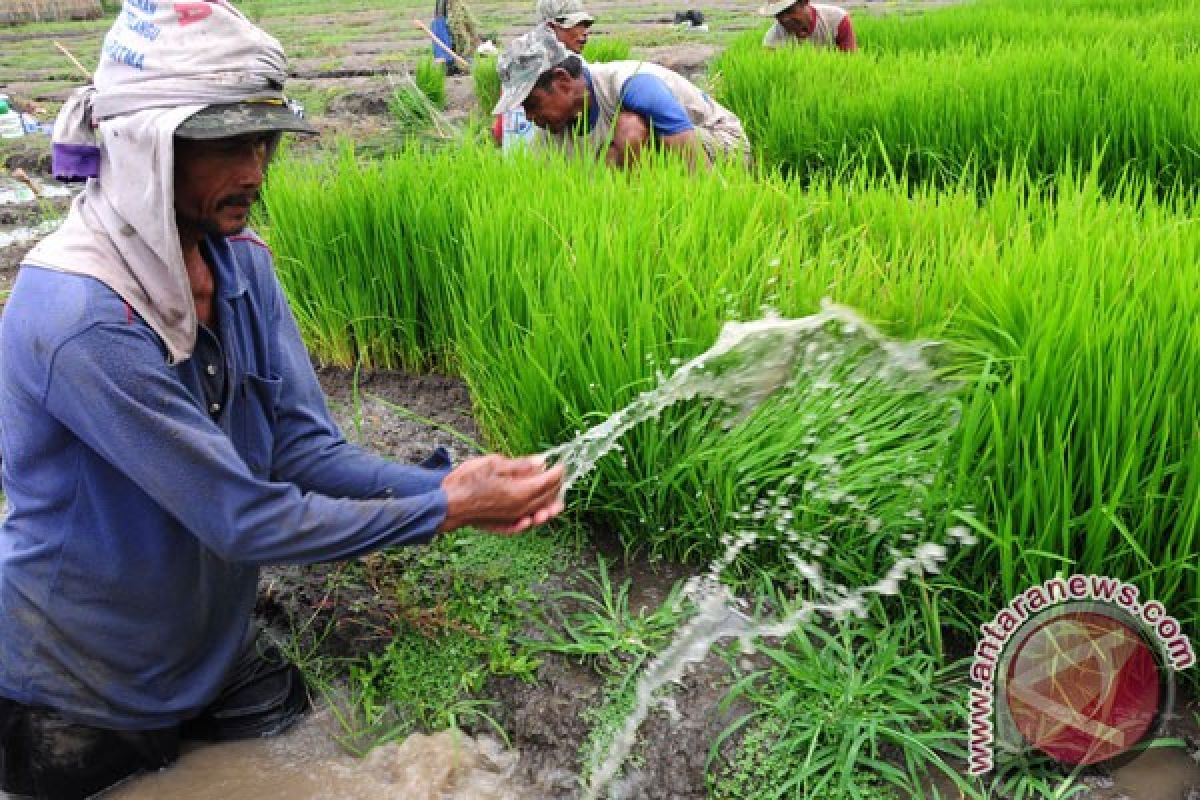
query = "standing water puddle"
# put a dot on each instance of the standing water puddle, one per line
(307, 764)
(10, 237)
(13, 192)
(748, 364)
(19, 193)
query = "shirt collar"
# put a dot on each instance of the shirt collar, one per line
(593, 110)
(229, 278)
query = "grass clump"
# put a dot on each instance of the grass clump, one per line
(596, 626)
(458, 611)
(430, 77)
(487, 83)
(848, 713)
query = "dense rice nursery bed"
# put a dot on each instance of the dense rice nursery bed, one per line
(1157, 24)
(1072, 319)
(931, 99)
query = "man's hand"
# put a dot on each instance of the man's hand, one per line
(502, 495)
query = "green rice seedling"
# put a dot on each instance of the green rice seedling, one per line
(411, 109)
(978, 108)
(606, 48)
(487, 83)
(355, 250)
(1069, 321)
(988, 23)
(430, 78)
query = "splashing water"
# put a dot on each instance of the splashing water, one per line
(718, 617)
(750, 362)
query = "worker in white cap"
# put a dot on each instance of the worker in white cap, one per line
(568, 20)
(571, 24)
(801, 22)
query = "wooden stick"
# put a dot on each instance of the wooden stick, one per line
(23, 176)
(87, 76)
(462, 62)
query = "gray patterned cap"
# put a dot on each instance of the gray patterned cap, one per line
(523, 62)
(567, 13)
(235, 119)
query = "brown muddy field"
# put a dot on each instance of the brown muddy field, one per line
(346, 86)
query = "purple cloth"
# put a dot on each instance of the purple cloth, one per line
(75, 162)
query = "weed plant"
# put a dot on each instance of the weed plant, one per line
(600, 629)
(460, 609)
(852, 712)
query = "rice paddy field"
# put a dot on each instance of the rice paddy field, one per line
(1012, 182)
(980, 88)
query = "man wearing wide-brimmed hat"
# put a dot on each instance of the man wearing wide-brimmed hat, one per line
(163, 431)
(613, 110)
(802, 22)
(568, 20)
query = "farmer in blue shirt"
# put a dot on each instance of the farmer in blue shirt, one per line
(613, 110)
(163, 432)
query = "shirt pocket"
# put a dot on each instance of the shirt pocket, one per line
(256, 433)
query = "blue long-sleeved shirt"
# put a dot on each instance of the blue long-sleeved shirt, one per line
(138, 519)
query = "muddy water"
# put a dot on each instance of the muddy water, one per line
(307, 764)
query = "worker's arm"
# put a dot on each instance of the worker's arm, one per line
(845, 36)
(308, 448)
(140, 418)
(649, 112)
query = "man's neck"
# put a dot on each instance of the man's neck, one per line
(200, 276)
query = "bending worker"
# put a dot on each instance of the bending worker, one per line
(163, 430)
(802, 22)
(571, 25)
(615, 110)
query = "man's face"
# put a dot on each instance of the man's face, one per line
(573, 38)
(557, 108)
(217, 181)
(797, 20)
